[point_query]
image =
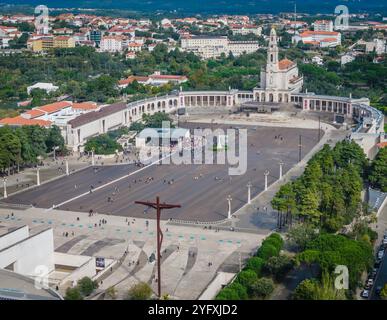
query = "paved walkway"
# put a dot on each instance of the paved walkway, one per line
(259, 216)
(183, 276)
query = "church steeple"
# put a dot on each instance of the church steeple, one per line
(272, 52)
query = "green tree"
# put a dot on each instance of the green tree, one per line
(378, 171)
(305, 290)
(73, 294)
(255, 264)
(227, 294)
(140, 291)
(300, 235)
(55, 139)
(246, 277)
(262, 288)
(111, 292)
(278, 266)
(383, 292)
(86, 286)
(239, 289)
(266, 251)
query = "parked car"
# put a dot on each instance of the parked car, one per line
(373, 273)
(377, 263)
(365, 294)
(384, 241)
(380, 254)
(378, 290)
(370, 282)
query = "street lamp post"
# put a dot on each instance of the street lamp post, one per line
(280, 170)
(54, 149)
(67, 168)
(38, 176)
(158, 206)
(249, 185)
(266, 174)
(92, 157)
(5, 187)
(229, 206)
(299, 149)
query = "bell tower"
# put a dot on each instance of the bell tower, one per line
(272, 52)
(272, 61)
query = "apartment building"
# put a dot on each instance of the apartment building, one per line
(113, 43)
(64, 42)
(323, 25)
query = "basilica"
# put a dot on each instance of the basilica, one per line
(279, 78)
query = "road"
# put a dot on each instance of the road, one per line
(381, 277)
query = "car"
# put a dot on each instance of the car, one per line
(365, 294)
(373, 274)
(384, 241)
(380, 254)
(377, 263)
(378, 290)
(370, 282)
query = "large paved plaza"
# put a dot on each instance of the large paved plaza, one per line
(201, 190)
(187, 251)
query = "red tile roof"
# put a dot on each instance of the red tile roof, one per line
(55, 107)
(20, 121)
(85, 106)
(34, 113)
(320, 33)
(285, 64)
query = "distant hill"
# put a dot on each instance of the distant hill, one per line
(215, 6)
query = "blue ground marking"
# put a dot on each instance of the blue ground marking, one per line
(129, 231)
(238, 242)
(169, 235)
(151, 233)
(63, 224)
(42, 221)
(221, 241)
(72, 225)
(90, 226)
(139, 232)
(12, 218)
(192, 237)
(181, 237)
(118, 230)
(18, 219)
(49, 222)
(34, 221)
(202, 238)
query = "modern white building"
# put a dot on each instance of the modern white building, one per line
(245, 30)
(213, 46)
(32, 255)
(323, 39)
(346, 58)
(318, 60)
(46, 86)
(377, 45)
